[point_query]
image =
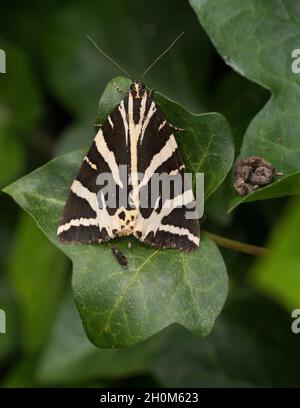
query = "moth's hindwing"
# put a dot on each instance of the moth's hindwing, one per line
(135, 135)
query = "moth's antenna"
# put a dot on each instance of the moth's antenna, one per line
(161, 55)
(106, 55)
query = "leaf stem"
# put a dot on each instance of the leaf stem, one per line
(237, 246)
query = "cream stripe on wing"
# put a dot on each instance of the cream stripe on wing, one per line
(150, 113)
(135, 132)
(176, 171)
(179, 231)
(110, 122)
(162, 125)
(104, 219)
(180, 200)
(108, 156)
(124, 119)
(159, 158)
(78, 222)
(92, 165)
(107, 221)
(153, 223)
(82, 192)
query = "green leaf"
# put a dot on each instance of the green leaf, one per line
(241, 351)
(16, 117)
(9, 339)
(11, 153)
(70, 358)
(37, 281)
(78, 66)
(256, 39)
(122, 307)
(21, 374)
(274, 190)
(279, 274)
(238, 100)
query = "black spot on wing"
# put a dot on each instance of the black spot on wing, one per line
(122, 215)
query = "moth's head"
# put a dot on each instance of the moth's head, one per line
(137, 89)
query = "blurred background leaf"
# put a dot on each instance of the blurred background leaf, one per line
(37, 280)
(264, 56)
(70, 358)
(279, 274)
(8, 341)
(16, 117)
(242, 351)
(77, 73)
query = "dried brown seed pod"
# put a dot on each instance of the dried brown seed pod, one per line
(252, 172)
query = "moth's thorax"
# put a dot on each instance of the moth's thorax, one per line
(137, 101)
(137, 89)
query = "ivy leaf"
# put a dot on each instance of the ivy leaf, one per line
(16, 118)
(241, 351)
(69, 358)
(256, 38)
(122, 307)
(279, 274)
(37, 293)
(21, 375)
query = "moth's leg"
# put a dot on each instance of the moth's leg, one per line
(177, 128)
(122, 91)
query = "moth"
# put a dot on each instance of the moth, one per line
(137, 136)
